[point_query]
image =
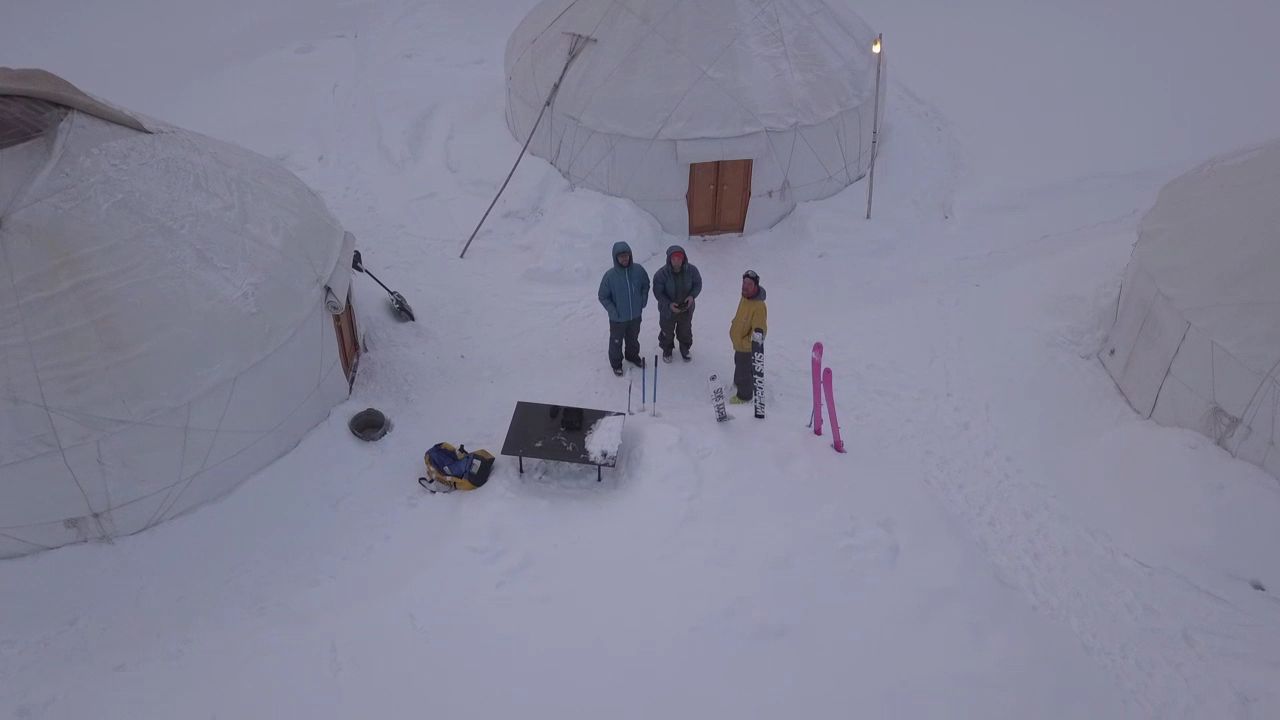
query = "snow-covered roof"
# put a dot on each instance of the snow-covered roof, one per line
(1212, 245)
(139, 271)
(687, 69)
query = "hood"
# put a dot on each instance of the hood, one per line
(677, 249)
(619, 248)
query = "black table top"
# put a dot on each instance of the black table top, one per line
(558, 432)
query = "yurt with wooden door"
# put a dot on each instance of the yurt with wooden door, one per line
(174, 315)
(715, 116)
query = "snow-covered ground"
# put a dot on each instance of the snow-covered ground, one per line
(1004, 537)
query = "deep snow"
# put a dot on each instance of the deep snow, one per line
(1004, 538)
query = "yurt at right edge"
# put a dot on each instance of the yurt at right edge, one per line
(1196, 340)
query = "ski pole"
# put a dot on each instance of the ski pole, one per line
(630, 382)
(655, 386)
(644, 384)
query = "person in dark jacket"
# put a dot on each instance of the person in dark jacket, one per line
(675, 286)
(624, 291)
(752, 314)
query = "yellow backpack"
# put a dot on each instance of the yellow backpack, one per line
(450, 468)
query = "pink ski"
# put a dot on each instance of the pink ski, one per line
(836, 443)
(815, 419)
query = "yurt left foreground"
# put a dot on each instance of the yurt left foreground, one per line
(174, 315)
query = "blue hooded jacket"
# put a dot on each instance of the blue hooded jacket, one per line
(624, 291)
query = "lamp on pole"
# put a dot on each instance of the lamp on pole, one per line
(875, 120)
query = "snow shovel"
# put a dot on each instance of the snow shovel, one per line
(398, 303)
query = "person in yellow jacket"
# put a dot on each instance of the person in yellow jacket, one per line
(752, 313)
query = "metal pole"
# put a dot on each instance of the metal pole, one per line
(644, 387)
(875, 123)
(654, 411)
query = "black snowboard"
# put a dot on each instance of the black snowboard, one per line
(757, 369)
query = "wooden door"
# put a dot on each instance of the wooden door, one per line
(719, 193)
(704, 178)
(735, 193)
(344, 326)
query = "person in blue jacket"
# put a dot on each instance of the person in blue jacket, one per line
(624, 291)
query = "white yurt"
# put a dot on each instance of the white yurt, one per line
(1196, 339)
(715, 116)
(174, 315)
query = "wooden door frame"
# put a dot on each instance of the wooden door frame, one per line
(350, 359)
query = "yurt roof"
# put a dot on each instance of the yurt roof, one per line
(141, 269)
(1212, 245)
(685, 69)
(37, 84)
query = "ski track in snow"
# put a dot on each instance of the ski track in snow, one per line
(1167, 646)
(1072, 575)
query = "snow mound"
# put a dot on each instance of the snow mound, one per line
(571, 238)
(604, 439)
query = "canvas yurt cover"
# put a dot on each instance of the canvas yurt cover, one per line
(1196, 340)
(173, 316)
(713, 115)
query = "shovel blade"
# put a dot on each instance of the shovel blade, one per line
(401, 307)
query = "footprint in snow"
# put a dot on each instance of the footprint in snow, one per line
(874, 545)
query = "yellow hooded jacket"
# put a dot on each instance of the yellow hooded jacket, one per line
(752, 313)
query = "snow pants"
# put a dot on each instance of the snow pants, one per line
(743, 376)
(674, 326)
(621, 333)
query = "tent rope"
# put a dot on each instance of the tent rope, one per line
(577, 44)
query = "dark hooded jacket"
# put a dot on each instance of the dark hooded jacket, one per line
(670, 286)
(624, 291)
